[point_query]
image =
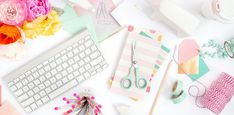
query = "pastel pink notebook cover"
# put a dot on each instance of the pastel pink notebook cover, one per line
(8, 109)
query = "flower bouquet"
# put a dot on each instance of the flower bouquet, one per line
(22, 19)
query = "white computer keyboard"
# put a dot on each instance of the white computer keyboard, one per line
(55, 72)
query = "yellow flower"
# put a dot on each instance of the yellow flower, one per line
(43, 25)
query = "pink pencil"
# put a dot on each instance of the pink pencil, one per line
(0, 95)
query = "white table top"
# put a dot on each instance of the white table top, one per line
(111, 49)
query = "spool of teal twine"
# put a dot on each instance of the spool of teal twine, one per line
(229, 47)
(213, 49)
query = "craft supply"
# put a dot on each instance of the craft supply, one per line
(177, 88)
(127, 82)
(221, 10)
(0, 95)
(188, 58)
(152, 109)
(83, 104)
(104, 24)
(70, 16)
(147, 53)
(178, 98)
(6, 107)
(213, 49)
(137, 14)
(229, 47)
(178, 18)
(178, 94)
(203, 68)
(219, 93)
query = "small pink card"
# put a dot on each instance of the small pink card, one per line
(8, 109)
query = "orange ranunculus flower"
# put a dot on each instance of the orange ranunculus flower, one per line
(9, 34)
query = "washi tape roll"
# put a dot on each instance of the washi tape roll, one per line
(177, 88)
(178, 98)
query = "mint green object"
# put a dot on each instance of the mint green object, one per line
(203, 69)
(144, 34)
(72, 23)
(177, 88)
(133, 75)
(177, 99)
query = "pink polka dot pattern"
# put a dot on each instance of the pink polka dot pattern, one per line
(219, 94)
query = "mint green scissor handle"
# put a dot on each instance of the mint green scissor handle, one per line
(127, 81)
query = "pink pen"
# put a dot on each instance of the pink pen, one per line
(0, 95)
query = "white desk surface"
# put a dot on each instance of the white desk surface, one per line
(111, 49)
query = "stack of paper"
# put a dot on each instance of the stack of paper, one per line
(150, 54)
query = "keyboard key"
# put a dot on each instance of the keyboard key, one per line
(25, 88)
(36, 90)
(39, 103)
(65, 80)
(65, 65)
(30, 93)
(39, 66)
(53, 87)
(37, 96)
(53, 80)
(27, 102)
(41, 86)
(58, 76)
(47, 68)
(42, 93)
(94, 55)
(42, 78)
(59, 61)
(47, 83)
(62, 89)
(36, 82)
(19, 85)
(75, 66)
(53, 72)
(31, 85)
(19, 92)
(48, 90)
(24, 81)
(41, 71)
(59, 83)
(33, 106)
(96, 61)
(45, 99)
(76, 58)
(30, 78)
(80, 79)
(82, 55)
(22, 76)
(23, 97)
(27, 73)
(51, 59)
(59, 68)
(28, 109)
(48, 75)
(70, 77)
(13, 88)
(53, 64)
(16, 80)
(64, 73)
(36, 74)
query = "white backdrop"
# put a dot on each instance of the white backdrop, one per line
(111, 49)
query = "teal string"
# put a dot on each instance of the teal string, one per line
(218, 50)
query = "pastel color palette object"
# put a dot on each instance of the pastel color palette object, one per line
(8, 109)
(147, 56)
(188, 57)
(203, 69)
(72, 23)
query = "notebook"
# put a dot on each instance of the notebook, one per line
(150, 54)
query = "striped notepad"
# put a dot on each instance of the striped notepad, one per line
(150, 54)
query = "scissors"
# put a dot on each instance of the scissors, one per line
(127, 81)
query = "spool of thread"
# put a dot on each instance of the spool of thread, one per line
(229, 47)
(221, 10)
(219, 94)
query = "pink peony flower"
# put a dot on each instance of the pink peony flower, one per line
(12, 12)
(37, 8)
